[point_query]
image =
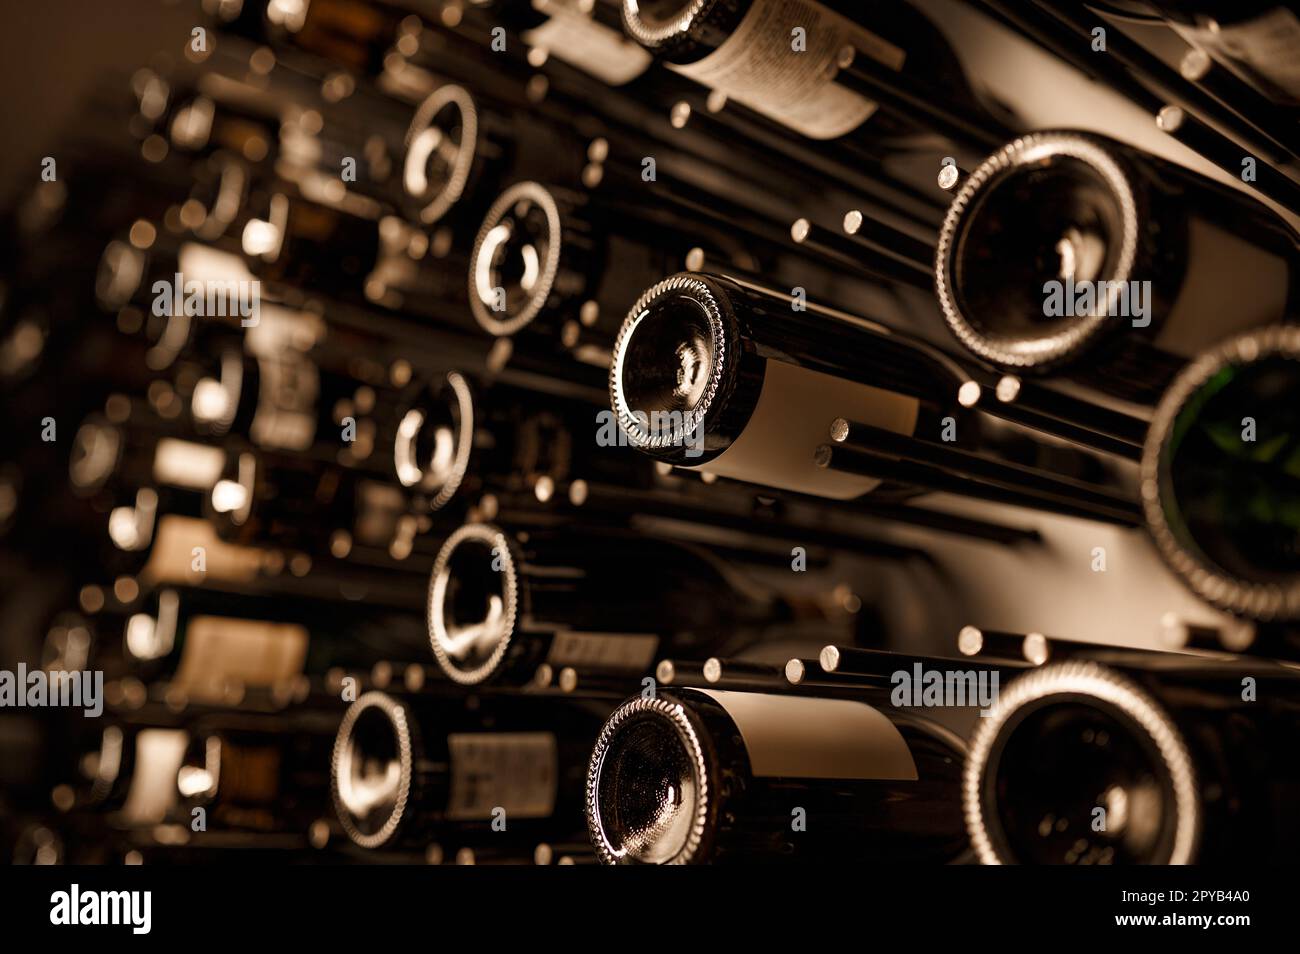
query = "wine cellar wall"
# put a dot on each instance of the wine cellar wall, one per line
(623, 432)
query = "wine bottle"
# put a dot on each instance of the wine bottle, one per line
(744, 48)
(691, 373)
(564, 100)
(1123, 268)
(408, 769)
(260, 773)
(319, 509)
(734, 379)
(300, 382)
(291, 242)
(125, 468)
(458, 439)
(1160, 760)
(348, 33)
(125, 475)
(709, 776)
(337, 134)
(558, 262)
(1220, 474)
(587, 36)
(458, 147)
(1255, 40)
(501, 604)
(207, 641)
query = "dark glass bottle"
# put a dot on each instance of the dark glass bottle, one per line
(558, 262)
(1221, 475)
(502, 604)
(1042, 223)
(292, 242)
(457, 439)
(207, 642)
(716, 373)
(258, 772)
(1255, 39)
(587, 36)
(1121, 760)
(350, 33)
(458, 147)
(320, 509)
(409, 770)
(744, 48)
(702, 776)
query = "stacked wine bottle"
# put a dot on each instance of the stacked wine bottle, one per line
(624, 432)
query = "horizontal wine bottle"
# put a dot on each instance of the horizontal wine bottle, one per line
(1163, 760)
(1256, 40)
(315, 507)
(126, 468)
(1071, 253)
(350, 33)
(342, 139)
(459, 439)
(298, 383)
(126, 475)
(502, 604)
(587, 36)
(407, 771)
(458, 148)
(260, 773)
(548, 257)
(338, 134)
(744, 48)
(708, 776)
(138, 448)
(206, 641)
(719, 374)
(1221, 475)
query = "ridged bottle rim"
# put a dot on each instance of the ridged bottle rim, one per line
(698, 290)
(675, 714)
(409, 471)
(442, 201)
(440, 577)
(545, 281)
(397, 716)
(653, 37)
(1210, 582)
(1022, 153)
(1104, 685)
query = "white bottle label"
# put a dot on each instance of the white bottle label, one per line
(577, 39)
(793, 418)
(515, 771)
(800, 737)
(220, 651)
(757, 67)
